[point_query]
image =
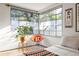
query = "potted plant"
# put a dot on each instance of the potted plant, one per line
(22, 31)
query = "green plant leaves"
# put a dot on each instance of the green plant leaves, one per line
(23, 30)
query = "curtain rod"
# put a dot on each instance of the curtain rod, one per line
(46, 11)
(23, 9)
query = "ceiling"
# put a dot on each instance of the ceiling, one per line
(32, 6)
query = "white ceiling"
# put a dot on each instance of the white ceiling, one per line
(33, 6)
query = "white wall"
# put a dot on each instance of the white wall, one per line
(7, 41)
(69, 31)
(4, 16)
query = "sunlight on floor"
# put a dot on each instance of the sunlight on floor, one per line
(19, 51)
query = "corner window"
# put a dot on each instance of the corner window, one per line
(21, 17)
(51, 23)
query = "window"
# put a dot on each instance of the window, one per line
(21, 17)
(51, 23)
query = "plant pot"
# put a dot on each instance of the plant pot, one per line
(21, 38)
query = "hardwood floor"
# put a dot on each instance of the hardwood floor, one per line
(16, 52)
(20, 51)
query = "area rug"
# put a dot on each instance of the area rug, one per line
(38, 51)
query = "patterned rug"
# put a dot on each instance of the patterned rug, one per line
(38, 51)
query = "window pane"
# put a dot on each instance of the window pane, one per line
(52, 28)
(52, 31)
(53, 17)
(59, 16)
(14, 24)
(59, 33)
(59, 22)
(53, 12)
(59, 10)
(59, 28)
(35, 28)
(21, 23)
